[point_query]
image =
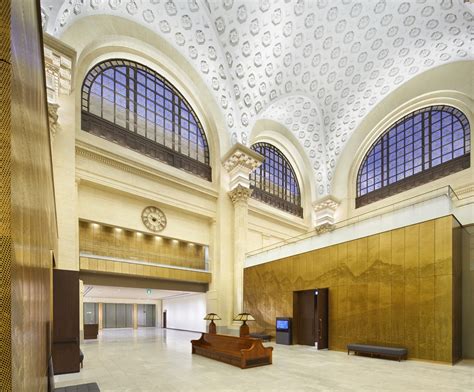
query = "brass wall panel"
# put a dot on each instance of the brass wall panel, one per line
(28, 225)
(5, 206)
(393, 288)
(103, 240)
(123, 268)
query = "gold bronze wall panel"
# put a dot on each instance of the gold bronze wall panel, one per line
(145, 271)
(5, 206)
(103, 240)
(393, 288)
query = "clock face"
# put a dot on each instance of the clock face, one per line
(154, 219)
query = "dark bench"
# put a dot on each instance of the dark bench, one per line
(262, 336)
(393, 352)
(92, 387)
(243, 352)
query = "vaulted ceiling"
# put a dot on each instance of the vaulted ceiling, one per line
(316, 66)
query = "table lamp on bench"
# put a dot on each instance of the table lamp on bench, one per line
(244, 328)
(212, 325)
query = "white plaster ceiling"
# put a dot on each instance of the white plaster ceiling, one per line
(316, 66)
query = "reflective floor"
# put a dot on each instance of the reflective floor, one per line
(160, 360)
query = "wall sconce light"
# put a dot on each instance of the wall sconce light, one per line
(244, 328)
(212, 325)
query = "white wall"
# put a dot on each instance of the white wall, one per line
(186, 312)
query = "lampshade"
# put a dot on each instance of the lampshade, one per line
(212, 316)
(244, 317)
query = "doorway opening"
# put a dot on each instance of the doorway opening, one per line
(310, 317)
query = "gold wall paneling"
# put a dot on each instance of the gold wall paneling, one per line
(107, 241)
(134, 281)
(27, 210)
(147, 271)
(397, 288)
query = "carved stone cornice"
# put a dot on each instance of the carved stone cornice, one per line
(242, 157)
(324, 211)
(328, 202)
(239, 162)
(240, 194)
(58, 64)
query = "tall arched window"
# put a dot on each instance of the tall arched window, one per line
(422, 146)
(132, 105)
(275, 182)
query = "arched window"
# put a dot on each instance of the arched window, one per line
(275, 182)
(130, 104)
(422, 146)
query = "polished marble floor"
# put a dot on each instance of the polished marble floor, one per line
(150, 359)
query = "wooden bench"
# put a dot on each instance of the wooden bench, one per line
(393, 352)
(243, 352)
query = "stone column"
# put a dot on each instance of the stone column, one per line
(101, 323)
(239, 162)
(135, 316)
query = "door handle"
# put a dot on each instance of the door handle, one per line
(320, 328)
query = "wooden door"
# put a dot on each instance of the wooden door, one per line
(303, 313)
(65, 321)
(322, 319)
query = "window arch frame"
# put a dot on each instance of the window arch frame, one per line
(285, 203)
(428, 172)
(174, 154)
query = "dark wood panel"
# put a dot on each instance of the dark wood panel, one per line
(304, 314)
(66, 321)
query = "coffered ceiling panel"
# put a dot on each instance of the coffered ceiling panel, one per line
(316, 66)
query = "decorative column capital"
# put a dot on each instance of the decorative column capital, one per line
(240, 194)
(53, 119)
(325, 210)
(239, 162)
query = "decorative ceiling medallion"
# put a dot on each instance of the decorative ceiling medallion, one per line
(154, 219)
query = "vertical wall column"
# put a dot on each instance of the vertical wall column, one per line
(101, 322)
(135, 316)
(239, 162)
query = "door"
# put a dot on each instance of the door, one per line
(146, 315)
(304, 315)
(164, 319)
(322, 319)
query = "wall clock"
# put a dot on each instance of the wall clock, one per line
(154, 219)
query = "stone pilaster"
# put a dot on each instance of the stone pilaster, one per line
(239, 163)
(325, 210)
(58, 62)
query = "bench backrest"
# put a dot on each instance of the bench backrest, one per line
(232, 343)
